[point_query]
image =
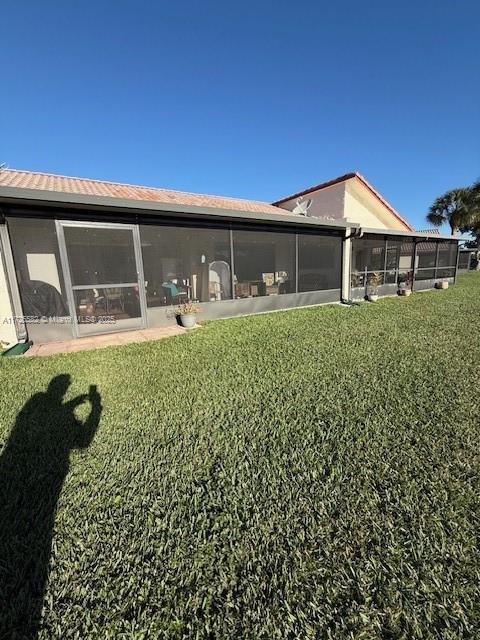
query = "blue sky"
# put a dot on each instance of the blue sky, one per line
(249, 99)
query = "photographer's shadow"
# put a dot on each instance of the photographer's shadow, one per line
(33, 465)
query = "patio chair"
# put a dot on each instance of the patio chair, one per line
(114, 299)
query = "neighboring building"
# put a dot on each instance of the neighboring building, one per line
(82, 257)
(467, 259)
(349, 198)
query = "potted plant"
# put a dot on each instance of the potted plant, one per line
(405, 285)
(404, 290)
(442, 284)
(374, 281)
(187, 314)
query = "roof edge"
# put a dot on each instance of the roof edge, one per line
(383, 201)
(409, 234)
(131, 185)
(344, 178)
(27, 196)
(317, 187)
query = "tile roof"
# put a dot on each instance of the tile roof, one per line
(65, 184)
(344, 178)
(430, 232)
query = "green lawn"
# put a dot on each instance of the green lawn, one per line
(297, 475)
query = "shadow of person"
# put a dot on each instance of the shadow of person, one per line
(33, 465)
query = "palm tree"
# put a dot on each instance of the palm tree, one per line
(475, 207)
(454, 208)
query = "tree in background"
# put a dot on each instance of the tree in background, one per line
(474, 226)
(451, 208)
(459, 208)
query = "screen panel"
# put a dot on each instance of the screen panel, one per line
(319, 262)
(264, 263)
(185, 263)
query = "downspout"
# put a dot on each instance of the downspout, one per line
(356, 232)
(456, 263)
(414, 262)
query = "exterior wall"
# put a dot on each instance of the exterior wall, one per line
(8, 333)
(362, 206)
(350, 201)
(37, 260)
(40, 262)
(37, 257)
(466, 260)
(326, 203)
(46, 332)
(362, 213)
(359, 293)
(424, 285)
(391, 258)
(164, 316)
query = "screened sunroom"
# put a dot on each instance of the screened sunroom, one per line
(82, 258)
(390, 260)
(78, 277)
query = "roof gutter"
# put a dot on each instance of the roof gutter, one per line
(410, 234)
(355, 233)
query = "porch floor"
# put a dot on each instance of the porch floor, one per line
(101, 341)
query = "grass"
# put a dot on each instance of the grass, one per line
(304, 474)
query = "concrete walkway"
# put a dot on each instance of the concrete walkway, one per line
(101, 341)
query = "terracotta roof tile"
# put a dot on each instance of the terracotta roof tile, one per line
(65, 184)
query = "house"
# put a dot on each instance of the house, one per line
(82, 257)
(467, 259)
(349, 198)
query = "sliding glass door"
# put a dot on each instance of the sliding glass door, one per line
(106, 290)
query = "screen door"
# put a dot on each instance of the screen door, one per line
(106, 282)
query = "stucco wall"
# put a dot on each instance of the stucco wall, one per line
(357, 211)
(363, 207)
(327, 203)
(350, 201)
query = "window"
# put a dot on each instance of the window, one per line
(392, 260)
(368, 256)
(185, 263)
(464, 260)
(100, 256)
(264, 263)
(447, 253)
(426, 254)
(426, 260)
(394, 248)
(430, 264)
(405, 260)
(447, 259)
(319, 262)
(37, 264)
